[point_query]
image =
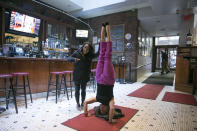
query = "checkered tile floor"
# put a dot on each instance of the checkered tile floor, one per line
(153, 115)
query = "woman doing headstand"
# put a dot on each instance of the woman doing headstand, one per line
(105, 77)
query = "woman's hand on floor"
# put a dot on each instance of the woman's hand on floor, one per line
(87, 114)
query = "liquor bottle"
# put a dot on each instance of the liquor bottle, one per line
(189, 39)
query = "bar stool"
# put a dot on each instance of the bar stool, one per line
(24, 86)
(56, 84)
(65, 81)
(92, 79)
(9, 90)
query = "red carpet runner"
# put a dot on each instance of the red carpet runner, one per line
(93, 123)
(179, 98)
(148, 91)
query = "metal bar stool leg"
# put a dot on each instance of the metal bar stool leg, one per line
(25, 93)
(50, 77)
(16, 84)
(60, 87)
(57, 81)
(63, 79)
(5, 92)
(29, 89)
(14, 95)
(71, 86)
(65, 87)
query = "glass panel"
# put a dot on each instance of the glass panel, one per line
(171, 40)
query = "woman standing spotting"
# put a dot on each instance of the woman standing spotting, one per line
(82, 68)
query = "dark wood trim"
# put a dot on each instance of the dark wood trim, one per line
(42, 36)
(2, 26)
(45, 30)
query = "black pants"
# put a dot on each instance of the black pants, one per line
(80, 85)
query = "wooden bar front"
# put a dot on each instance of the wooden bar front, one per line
(39, 69)
(186, 69)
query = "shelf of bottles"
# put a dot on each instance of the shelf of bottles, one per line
(56, 44)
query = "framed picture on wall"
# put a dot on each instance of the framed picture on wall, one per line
(117, 37)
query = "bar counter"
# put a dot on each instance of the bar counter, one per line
(38, 68)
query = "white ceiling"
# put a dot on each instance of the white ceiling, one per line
(157, 17)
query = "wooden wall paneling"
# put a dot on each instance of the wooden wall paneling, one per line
(182, 70)
(40, 75)
(2, 26)
(59, 66)
(70, 67)
(22, 66)
(116, 70)
(4, 67)
(182, 75)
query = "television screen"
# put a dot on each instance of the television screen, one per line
(82, 33)
(24, 23)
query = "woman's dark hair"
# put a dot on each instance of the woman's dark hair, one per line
(91, 50)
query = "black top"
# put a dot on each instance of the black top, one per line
(104, 93)
(82, 67)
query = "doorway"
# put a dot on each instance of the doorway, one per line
(171, 51)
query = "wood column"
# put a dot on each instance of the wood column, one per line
(43, 30)
(2, 26)
(194, 81)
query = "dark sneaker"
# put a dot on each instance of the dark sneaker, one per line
(78, 107)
